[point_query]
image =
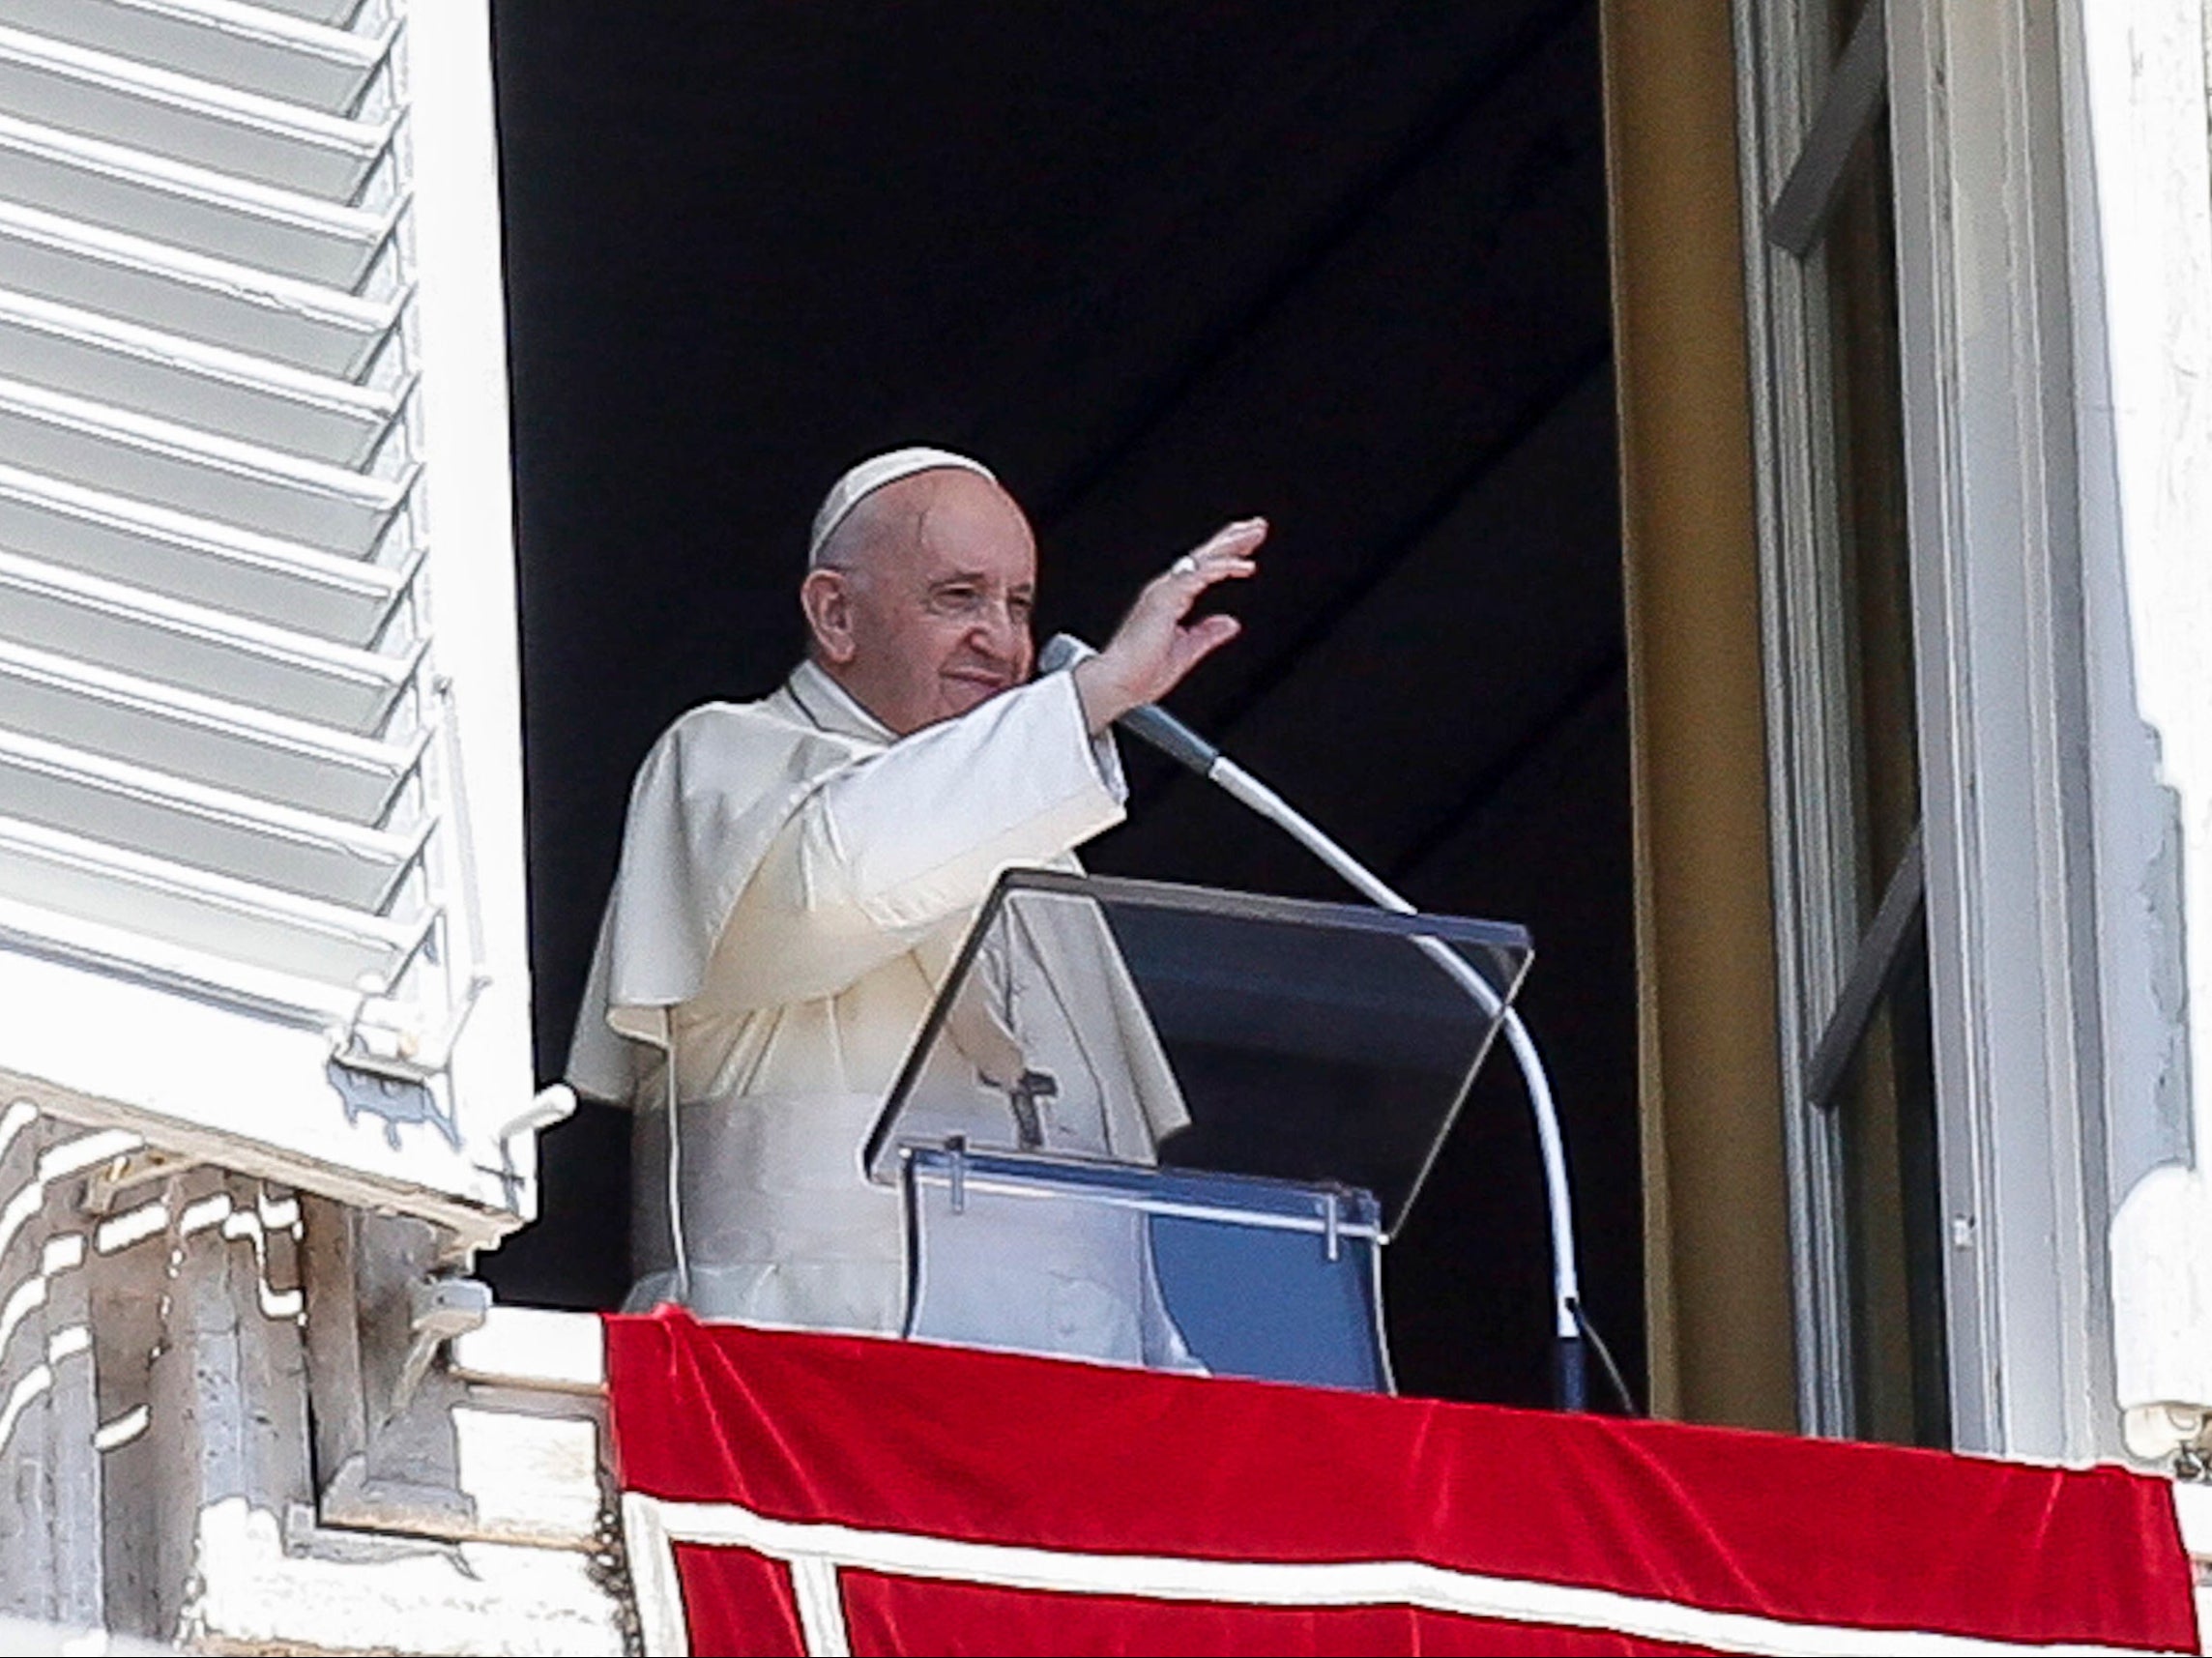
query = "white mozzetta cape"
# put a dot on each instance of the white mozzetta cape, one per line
(793, 885)
(712, 793)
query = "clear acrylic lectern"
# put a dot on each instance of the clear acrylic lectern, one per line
(1173, 1127)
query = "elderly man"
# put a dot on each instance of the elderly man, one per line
(797, 874)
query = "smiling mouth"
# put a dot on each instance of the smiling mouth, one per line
(978, 677)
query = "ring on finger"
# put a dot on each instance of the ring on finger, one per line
(1187, 564)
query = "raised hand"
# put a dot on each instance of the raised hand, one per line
(1154, 648)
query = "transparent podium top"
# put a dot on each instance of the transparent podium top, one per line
(1132, 1021)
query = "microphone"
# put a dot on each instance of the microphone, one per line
(1148, 721)
(1168, 734)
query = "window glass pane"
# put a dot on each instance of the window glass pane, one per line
(1843, 19)
(1861, 258)
(1886, 1112)
(1886, 1121)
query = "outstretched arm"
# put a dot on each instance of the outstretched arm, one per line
(893, 845)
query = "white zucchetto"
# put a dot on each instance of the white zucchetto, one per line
(870, 476)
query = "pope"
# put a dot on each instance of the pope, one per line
(797, 876)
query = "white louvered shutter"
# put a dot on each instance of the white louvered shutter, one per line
(260, 826)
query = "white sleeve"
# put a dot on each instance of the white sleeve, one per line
(891, 845)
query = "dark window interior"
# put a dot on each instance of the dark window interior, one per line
(1160, 265)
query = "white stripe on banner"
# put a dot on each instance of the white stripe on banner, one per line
(821, 1607)
(653, 1580)
(815, 1553)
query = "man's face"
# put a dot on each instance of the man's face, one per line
(931, 614)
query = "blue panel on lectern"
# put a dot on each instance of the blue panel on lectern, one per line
(1267, 1279)
(1259, 1302)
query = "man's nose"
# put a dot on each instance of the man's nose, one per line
(1000, 632)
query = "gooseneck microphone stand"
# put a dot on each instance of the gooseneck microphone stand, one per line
(1153, 724)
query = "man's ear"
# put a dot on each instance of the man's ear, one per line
(826, 598)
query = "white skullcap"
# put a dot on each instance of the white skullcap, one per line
(870, 476)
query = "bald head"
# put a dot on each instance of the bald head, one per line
(919, 602)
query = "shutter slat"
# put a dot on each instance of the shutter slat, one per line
(124, 190)
(55, 257)
(38, 929)
(262, 578)
(190, 120)
(189, 471)
(252, 48)
(143, 371)
(338, 13)
(174, 902)
(218, 829)
(209, 740)
(112, 626)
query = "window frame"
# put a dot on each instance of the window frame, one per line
(1984, 316)
(1783, 76)
(1979, 146)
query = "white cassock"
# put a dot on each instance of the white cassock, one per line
(794, 886)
